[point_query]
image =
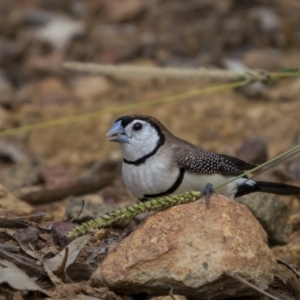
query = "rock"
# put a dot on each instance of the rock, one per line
(5, 122)
(6, 91)
(266, 59)
(47, 91)
(23, 174)
(173, 297)
(127, 297)
(59, 31)
(288, 282)
(55, 177)
(290, 252)
(273, 214)
(294, 170)
(13, 152)
(28, 235)
(295, 220)
(267, 25)
(49, 64)
(51, 90)
(91, 87)
(10, 203)
(59, 232)
(253, 150)
(122, 10)
(189, 248)
(289, 92)
(7, 48)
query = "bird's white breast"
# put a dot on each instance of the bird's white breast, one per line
(154, 176)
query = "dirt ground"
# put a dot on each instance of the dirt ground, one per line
(44, 166)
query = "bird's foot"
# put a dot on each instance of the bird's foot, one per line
(207, 191)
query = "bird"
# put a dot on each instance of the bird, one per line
(157, 163)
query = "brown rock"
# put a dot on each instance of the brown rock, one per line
(55, 177)
(45, 64)
(10, 203)
(294, 170)
(273, 214)
(290, 252)
(91, 86)
(4, 119)
(189, 248)
(270, 60)
(59, 232)
(52, 90)
(6, 91)
(47, 91)
(122, 10)
(169, 297)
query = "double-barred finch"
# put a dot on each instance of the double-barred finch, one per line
(157, 163)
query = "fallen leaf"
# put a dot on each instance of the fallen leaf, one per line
(16, 278)
(4, 234)
(74, 248)
(23, 263)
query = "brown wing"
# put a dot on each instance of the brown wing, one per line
(196, 159)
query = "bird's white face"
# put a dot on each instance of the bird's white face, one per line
(137, 137)
(142, 139)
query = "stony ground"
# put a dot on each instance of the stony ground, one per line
(46, 167)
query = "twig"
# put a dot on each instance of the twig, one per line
(142, 72)
(280, 261)
(103, 177)
(252, 286)
(79, 213)
(145, 72)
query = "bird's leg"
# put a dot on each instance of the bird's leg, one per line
(207, 191)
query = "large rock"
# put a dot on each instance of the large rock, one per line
(189, 248)
(273, 214)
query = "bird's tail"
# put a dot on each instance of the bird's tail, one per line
(268, 187)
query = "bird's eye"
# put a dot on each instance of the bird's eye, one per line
(137, 126)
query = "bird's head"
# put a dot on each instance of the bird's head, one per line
(138, 135)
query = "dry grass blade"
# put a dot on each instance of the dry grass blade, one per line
(280, 261)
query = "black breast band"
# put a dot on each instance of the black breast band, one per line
(171, 190)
